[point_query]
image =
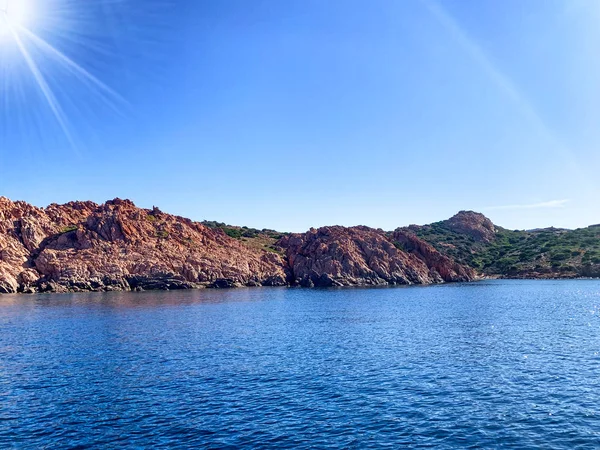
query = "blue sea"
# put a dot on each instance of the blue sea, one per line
(493, 364)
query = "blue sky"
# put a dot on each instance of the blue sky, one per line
(291, 114)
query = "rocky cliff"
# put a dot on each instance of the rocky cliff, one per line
(447, 268)
(83, 246)
(117, 246)
(340, 256)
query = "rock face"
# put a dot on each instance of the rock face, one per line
(473, 224)
(339, 256)
(446, 267)
(82, 246)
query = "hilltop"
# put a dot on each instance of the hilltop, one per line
(472, 239)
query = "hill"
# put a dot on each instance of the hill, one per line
(472, 239)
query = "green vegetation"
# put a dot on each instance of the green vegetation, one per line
(162, 234)
(242, 232)
(68, 229)
(235, 233)
(273, 249)
(399, 246)
(264, 239)
(519, 252)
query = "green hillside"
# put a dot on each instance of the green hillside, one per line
(549, 252)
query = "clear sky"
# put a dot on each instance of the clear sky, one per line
(288, 114)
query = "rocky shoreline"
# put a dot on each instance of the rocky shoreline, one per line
(83, 246)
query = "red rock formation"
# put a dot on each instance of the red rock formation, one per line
(339, 256)
(82, 246)
(473, 224)
(448, 269)
(22, 228)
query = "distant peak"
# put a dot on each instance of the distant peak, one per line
(469, 213)
(473, 224)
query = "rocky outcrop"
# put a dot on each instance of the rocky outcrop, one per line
(22, 229)
(340, 256)
(472, 224)
(447, 268)
(83, 246)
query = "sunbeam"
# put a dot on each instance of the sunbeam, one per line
(44, 87)
(46, 46)
(70, 64)
(507, 86)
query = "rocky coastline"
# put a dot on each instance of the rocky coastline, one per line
(116, 246)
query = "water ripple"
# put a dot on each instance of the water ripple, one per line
(501, 364)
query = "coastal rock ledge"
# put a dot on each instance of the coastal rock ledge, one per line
(83, 246)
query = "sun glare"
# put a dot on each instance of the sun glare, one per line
(13, 15)
(40, 41)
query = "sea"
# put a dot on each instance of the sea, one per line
(490, 364)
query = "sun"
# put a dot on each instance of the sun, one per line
(31, 57)
(14, 14)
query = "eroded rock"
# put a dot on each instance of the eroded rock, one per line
(82, 246)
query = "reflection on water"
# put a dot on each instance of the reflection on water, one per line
(500, 363)
(138, 299)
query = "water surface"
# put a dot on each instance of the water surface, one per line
(511, 364)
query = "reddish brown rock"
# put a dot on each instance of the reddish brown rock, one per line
(115, 246)
(473, 224)
(22, 228)
(82, 246)
(448, 269)
(339, 256)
